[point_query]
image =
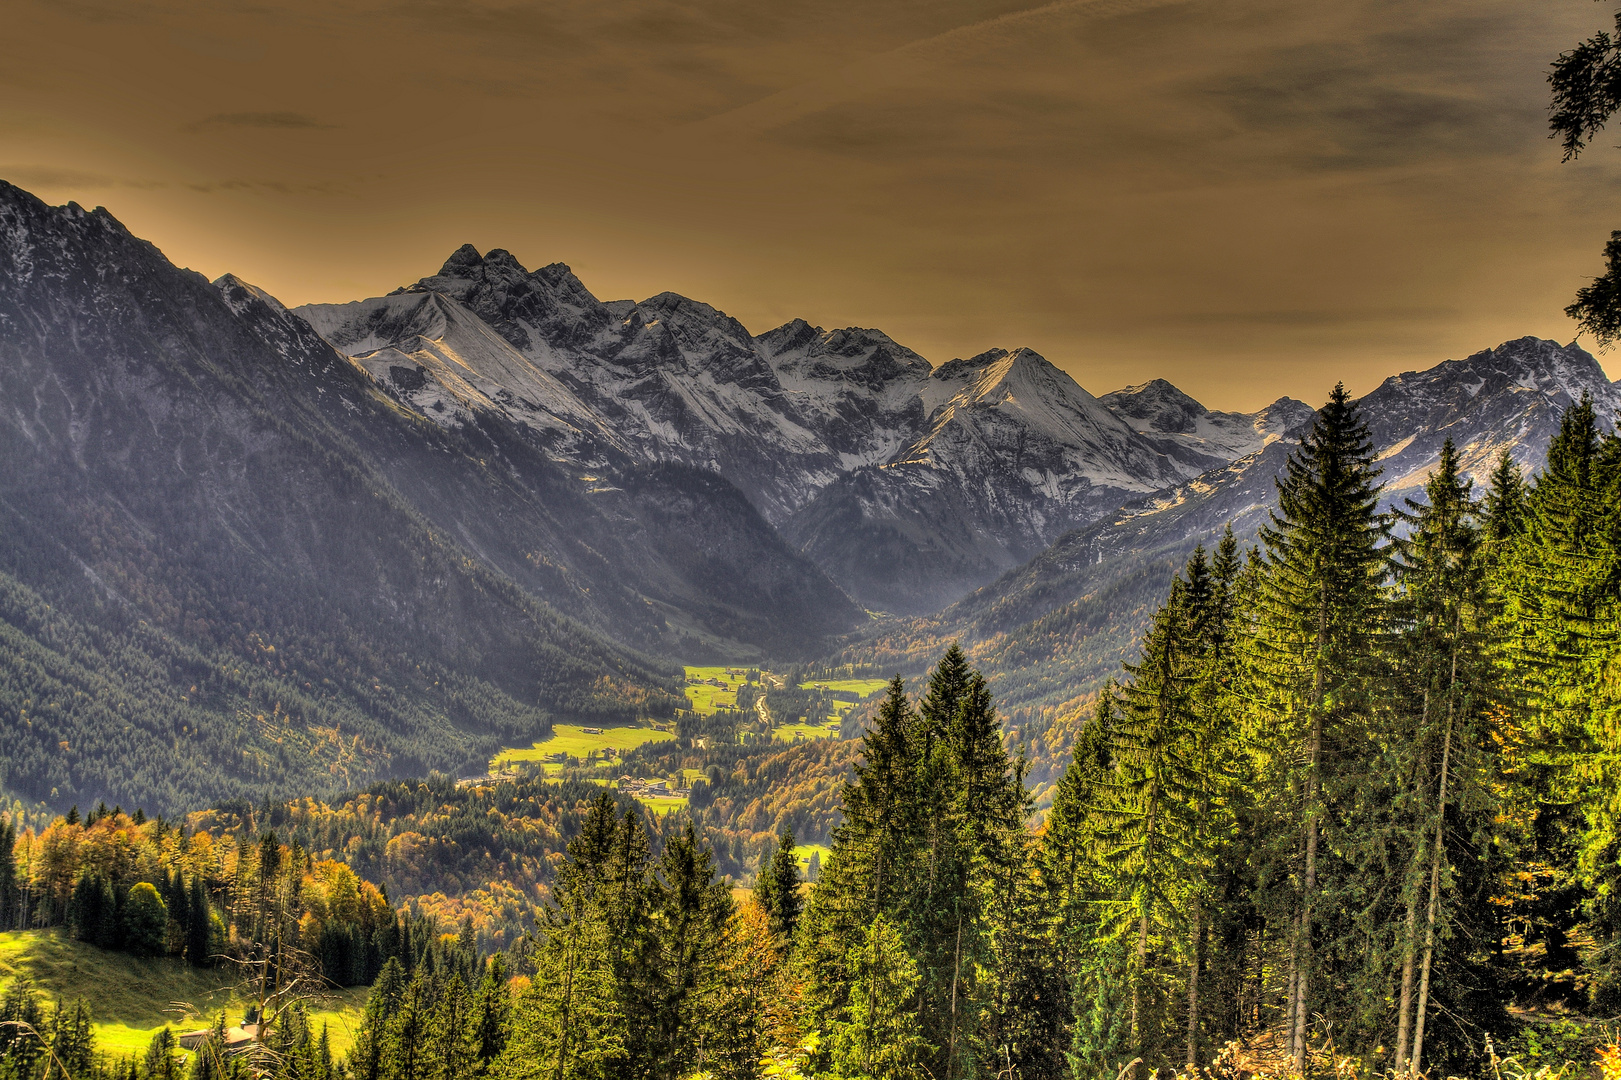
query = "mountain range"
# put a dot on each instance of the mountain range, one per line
(247, 549)
(908, 485)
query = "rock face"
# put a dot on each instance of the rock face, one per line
(1014, 455)
(1187, 431)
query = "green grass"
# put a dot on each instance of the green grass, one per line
(856, 686)
(706, 699)
(130, 999)
(787, 732)
(663, 806)
(572, 740)
(804, 853)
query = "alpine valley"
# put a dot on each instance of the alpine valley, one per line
(1057, 733)
(250, 551)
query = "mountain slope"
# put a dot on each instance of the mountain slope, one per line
(658, 552)
(1052, 630)
(1186, 430)
(907, 486)
(1015, 454)
(208, 588)
(672, 378)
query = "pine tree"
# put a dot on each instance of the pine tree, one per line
(777, 890)
(10, 894)
(199, 945)
(1320, 616)
(1150, 840)
(1439, 655)
(878, 1035)
(492, 1016)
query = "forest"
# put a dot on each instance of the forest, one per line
(1350, 811)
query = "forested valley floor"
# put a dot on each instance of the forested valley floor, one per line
(1351, 812)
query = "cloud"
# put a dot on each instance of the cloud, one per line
(279, 187)
(266, 120)
(55, 176)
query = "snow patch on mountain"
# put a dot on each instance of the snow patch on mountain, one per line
(1187, 430)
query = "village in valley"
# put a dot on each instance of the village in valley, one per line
(728, 705)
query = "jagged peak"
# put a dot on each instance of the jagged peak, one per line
(1153, 390)
(793, 334)
(236, 293)
(1530, 362)
(462, 262)
(961, 368)
(673, 307)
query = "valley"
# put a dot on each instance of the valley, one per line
(401, 618)
(729, 707)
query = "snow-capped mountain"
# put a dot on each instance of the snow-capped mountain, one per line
(866, 457)
(1014, 455)
(666, 379)
(1184, 429)
(1065, 618)
(909, 486)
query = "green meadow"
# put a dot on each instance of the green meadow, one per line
(571, 739)
(804, 852)
(706, 699)
(130, 998)
(856, 686)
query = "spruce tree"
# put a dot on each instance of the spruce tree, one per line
(777, 890)
(1443, 683)
(1320, 616)
(10, 894)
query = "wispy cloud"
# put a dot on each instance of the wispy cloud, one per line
(263, 120)
(57, 177)
(279, 187)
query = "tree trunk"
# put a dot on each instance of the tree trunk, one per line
(1197, 952)
(1294, 979)
(1314, 751)
(956, 971)
(1304, 948)
(1410, 937)
(872, 980)
(566, 1026)
(1435, 888)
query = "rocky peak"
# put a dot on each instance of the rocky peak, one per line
(1155, 405)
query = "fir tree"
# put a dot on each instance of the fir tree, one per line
(777, 890)
(1320, 617)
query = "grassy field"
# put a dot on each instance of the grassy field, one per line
(572, 740)
(804, 853)
(840, 709)
(130, 999)
(706, 699)
(663, 806)
(855, 686)
(789, 732)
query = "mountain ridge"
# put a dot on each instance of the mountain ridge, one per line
(845, 440)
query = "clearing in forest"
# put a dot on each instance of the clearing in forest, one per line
(575, 741)
(129, 998)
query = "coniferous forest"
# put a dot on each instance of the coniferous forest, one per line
(1351, 811)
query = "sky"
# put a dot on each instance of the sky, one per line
(1249, 198)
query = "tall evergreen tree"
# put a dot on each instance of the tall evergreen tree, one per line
(1320, 618)
(778, 889)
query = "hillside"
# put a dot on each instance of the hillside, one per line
(131, 998)
(209, 585)
(1051, 632)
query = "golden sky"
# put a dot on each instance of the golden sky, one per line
(1247, 197)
